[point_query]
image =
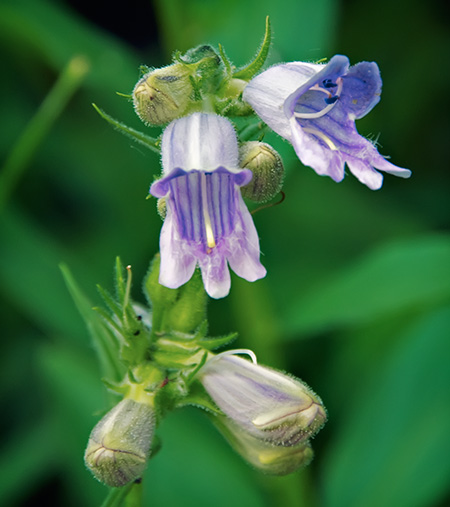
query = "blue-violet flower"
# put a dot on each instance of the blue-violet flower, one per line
(314, 106)
(207, 222)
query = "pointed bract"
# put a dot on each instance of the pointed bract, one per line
(314, 106)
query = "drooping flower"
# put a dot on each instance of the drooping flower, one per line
(207, 222)
(263, 403)
(314, 106)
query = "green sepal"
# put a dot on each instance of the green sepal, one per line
(189, 377)
(107, 317)
(115, 387)
(254, 131)
(199, 398)
(144, 69)
(226, 61)
(121, 285)
(149, 142)
(196, 55)
(125, 95)
(233, 107)
(256, 65)
(110, 302)
(220, 341)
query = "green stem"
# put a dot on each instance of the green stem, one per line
(54, 103)
(117, 496)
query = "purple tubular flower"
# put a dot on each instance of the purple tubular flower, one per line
(207, 222)
(314, 106)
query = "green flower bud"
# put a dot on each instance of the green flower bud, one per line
(265, 456)
(119, 445)
(267, 168)
(163, 95)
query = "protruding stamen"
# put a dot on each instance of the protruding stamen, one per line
(207, 219)
(322, 136)
(234, 352)
(331, 103)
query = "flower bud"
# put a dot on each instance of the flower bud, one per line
(266, 457)
(262, 402)
(163, 94)
(267, 168)
(119, 445)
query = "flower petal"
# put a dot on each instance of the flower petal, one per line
(243, 248)
(199, 141)
(177, 262)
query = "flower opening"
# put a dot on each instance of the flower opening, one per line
(315, 106)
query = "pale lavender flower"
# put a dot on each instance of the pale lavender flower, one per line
(314, 106)
(264, 403)
(207, 222)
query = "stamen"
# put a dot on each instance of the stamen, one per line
(208, 227)
(331, 100)
(322, 136)
(317, 88)
(326, 109)
(234, 352)
(327, 83)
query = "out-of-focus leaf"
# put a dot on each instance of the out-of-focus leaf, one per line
(185, 24)
(30, 277)
(77, 396)
(396, 277)
(26, 459)
(393, 446)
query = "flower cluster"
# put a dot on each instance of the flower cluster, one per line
(208, 169)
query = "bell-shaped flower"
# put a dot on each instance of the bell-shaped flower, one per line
(266, 404)
(206, 222)
(314, 106)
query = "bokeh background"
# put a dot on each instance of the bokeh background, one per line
(356, 301)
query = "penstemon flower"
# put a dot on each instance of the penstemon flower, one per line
(263, 403)
(314, 106)
(207, 222)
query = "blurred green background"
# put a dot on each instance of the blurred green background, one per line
(356, 301)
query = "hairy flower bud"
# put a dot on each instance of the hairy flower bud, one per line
(262, 402)
(267, 168)
(119, 445)
(163, 94)
(266, 457)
